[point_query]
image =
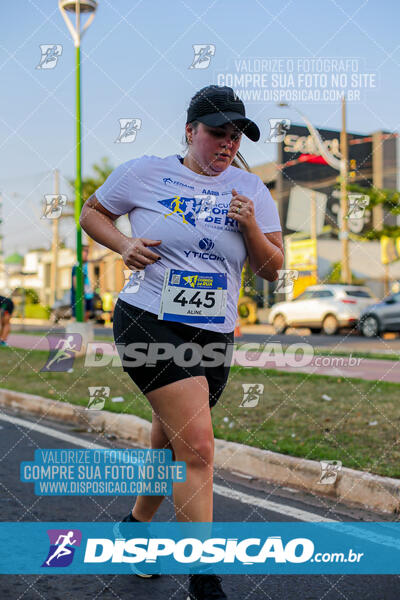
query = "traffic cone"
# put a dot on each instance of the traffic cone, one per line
(237, 332)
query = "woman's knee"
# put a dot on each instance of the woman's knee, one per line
(159, 438)
(195, 448)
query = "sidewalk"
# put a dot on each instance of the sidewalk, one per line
(334, 366)
(354, 488)
(388, 344)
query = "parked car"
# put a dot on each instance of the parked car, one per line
(381, 317)
(325, 307)
(61, 309)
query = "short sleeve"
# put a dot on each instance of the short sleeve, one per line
(116, 192)
(265, 209)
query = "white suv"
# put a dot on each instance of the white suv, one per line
(327, 307)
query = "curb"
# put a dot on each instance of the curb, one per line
(356, 488)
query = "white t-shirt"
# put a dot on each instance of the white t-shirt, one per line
(167, 201)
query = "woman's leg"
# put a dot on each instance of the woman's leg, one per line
(5, 326)
(183, 409)
(146, 506)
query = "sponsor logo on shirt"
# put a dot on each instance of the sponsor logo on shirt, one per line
(168, 180)
(205, 244)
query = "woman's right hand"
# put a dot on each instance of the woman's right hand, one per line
(136, 254)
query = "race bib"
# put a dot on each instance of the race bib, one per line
(193, 297)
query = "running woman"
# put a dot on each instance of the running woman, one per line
(194, 219)
(6, 310)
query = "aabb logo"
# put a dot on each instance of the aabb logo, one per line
(62, 547)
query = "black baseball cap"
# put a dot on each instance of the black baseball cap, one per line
(216, 105)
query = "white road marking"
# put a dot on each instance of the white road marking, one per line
(282, 509)
(232, 494)
(65, 437)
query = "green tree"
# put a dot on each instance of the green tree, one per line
(390, 199)
(335, 276)
(90, 184)
(31, 295)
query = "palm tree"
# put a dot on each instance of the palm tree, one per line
(90, 184)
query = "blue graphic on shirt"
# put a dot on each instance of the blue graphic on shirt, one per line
(192, 209)
(179, 206)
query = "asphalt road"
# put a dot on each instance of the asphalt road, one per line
(18, 503)
(342, 342)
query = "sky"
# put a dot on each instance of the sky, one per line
(140, 60)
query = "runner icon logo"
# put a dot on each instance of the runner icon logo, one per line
(97, 397)
(278, 128)
(285, 281)
(50, 55)
(62, 352)
(62, 547)
(357, 205)
(202, 55)
(53, 206)
(128, 130)
(133, 280)
(329, 471)
(206, 202)
(251, 394)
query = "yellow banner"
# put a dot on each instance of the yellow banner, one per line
(301, 255)
(390, 249)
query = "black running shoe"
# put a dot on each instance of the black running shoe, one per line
(205, 587)
(121, 530)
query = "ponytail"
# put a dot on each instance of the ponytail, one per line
(240, 162)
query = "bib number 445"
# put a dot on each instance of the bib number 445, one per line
(207, 299)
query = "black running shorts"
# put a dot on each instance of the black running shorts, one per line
(6, 305)
(136, 331)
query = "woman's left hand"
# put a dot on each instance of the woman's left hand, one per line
(241, 209)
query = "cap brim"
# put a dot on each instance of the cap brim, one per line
(248, 127)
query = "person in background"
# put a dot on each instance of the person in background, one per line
(87, 289)
(108, 306)
(6, 310)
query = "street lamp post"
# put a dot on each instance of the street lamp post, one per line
(344, 204)
(341, 166)
(78, 7)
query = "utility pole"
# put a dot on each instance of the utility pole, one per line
(87, 7)
(344, 209)
(313, 231)
(54, 246)
(342, 167)
(313, 216)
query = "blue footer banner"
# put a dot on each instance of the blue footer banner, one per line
(251, 548)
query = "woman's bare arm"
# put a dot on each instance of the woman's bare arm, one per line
(98, 222)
